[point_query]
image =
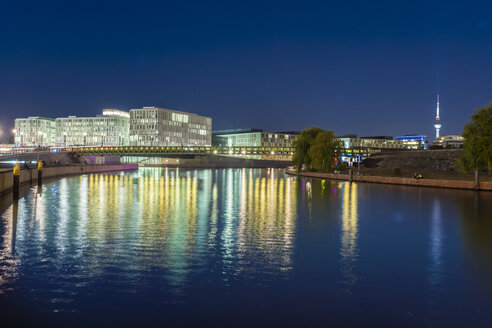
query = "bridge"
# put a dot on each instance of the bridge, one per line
(72, 153)
(174, 151)
(185, 152)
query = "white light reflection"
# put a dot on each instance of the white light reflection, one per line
(349, 250)
(436, 237)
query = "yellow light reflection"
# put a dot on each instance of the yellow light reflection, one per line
(349, 248)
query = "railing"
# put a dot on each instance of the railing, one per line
(182, 150)
(14, 153)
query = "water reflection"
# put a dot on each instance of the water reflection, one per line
(476, 232)
(349, 249)
(436, 237)
(250, 243)
(155, 221)
(267, 222)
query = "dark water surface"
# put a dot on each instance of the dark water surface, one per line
(244, 247)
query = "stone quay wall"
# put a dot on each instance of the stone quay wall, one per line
(31, 174)
(399, 181)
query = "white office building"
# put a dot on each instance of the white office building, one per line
(109, 129)
(34, 131)
(154, 126)
(253, 138)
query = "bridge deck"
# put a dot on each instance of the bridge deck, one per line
(182, 150)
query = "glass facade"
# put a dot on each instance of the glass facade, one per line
(34, 131)
(154, 126)
(414, 141)
(449, 141)
(109, 129)
(253, 138)
(374, 143)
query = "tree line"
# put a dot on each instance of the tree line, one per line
(477, 146)
(317, 150)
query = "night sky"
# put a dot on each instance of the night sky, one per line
(364, 67)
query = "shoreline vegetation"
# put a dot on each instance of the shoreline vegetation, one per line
(319, 154)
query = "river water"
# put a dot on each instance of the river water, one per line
(244, 247)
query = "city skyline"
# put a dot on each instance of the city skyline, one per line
(279, 66)
(380, 133)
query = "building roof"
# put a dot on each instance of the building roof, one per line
(235, 131)
(168, 109)
(378, 137)
(36, 118)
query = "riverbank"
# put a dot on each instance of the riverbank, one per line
(31, 175)
(438, 183)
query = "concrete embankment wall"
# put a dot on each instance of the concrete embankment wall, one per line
(216, 161)
(400, 181)
(29, 175)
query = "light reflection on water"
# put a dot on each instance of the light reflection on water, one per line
(258, 241)
(349, 235)
(145, 221)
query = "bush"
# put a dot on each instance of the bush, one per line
(396, 171)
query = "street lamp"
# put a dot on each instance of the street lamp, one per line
(65, 139)
(85, 137)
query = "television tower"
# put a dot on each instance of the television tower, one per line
(437, 123)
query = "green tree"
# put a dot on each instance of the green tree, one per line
(301, 145)
(324, 148)
(477, 147)
(316, 149)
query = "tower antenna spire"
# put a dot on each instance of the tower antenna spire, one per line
(437, 123)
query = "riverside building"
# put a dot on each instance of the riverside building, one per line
(154, 126)
(374, 143)
(34, 131)
(109, 129)
(355, 149)
(414, 141)
(449, 141)
(253, 138)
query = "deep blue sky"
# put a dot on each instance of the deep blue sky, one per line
(371, 68)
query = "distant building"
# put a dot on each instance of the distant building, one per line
(449, 141)
(253, 138)
(376, 143)
(414, 141)
(358, 148)
(154, 126)
(34, 131)
(109, 129)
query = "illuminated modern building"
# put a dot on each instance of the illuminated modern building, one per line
(253, 138)
(109, 129)
(359, 148)
(414, 141)
(154, 126)
(450, 141)
(34, 131)
(376, 143)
